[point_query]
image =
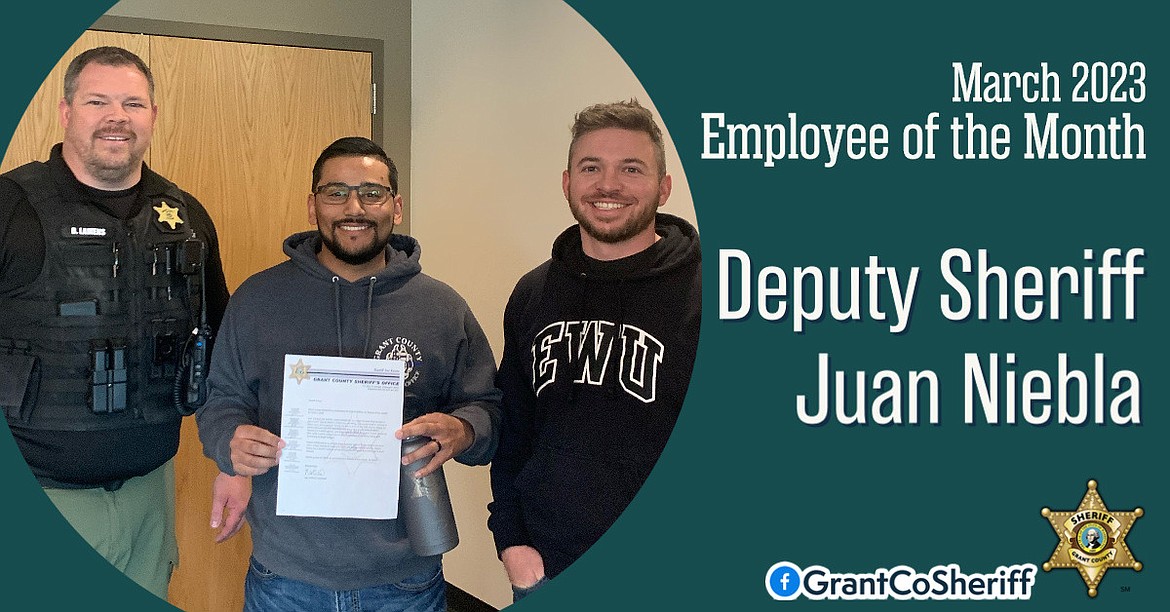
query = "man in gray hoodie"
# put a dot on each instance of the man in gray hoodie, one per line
(352, 289)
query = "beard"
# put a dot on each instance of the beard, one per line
(109, 171)
(111, 167)
(643, 216)
(358, 255)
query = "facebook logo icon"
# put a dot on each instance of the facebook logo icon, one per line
(783, 581)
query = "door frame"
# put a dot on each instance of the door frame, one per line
(156, 27)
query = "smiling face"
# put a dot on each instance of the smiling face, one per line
(353, 236)
(614, 190)
(108, 125)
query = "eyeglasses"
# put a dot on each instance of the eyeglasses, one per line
(369, 194)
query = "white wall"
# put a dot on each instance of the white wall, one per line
(495, 86)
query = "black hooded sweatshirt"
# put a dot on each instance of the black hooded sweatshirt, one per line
(597, 359)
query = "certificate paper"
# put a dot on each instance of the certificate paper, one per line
(339, 417)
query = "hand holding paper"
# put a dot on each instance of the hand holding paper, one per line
(254, 450)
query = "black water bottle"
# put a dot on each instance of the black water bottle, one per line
(425, 505)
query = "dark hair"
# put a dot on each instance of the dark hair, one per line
(104, 56)
(627, 115)
(355, 146)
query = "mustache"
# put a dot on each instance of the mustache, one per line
(608, 196)
(113, 132)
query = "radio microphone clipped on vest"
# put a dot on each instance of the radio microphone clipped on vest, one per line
(190, 258)
(197, 368)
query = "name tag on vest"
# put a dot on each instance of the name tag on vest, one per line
(74, 231)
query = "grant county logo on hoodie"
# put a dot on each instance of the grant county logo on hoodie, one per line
(404, 350)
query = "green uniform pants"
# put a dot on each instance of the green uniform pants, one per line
(133, 527)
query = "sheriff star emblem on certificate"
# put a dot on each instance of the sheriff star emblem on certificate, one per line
(1092, 538)
(299, 371)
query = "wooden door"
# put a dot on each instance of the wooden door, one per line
(239, 126)
(250, 122)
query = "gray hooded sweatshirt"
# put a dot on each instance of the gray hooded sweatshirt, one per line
(300, 307)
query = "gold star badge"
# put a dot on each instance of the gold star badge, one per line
(300, 371)
(1092, 539)
(168, 215)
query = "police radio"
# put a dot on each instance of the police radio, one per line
(190, 388)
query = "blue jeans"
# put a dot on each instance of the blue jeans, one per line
(519, 593)
(265, 591)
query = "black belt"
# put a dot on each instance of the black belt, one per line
(49, 483)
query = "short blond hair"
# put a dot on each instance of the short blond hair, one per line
(627, 115)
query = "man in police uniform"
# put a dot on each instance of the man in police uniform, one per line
(106, 268)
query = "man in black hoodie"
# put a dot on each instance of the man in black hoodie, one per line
(599, 343)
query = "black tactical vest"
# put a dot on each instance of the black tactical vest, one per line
(97, 338)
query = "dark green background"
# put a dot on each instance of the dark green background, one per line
(743, 484)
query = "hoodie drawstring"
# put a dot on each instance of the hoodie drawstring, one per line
(609, 384)
(612, 385)
(369, 314)
(337, 312)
